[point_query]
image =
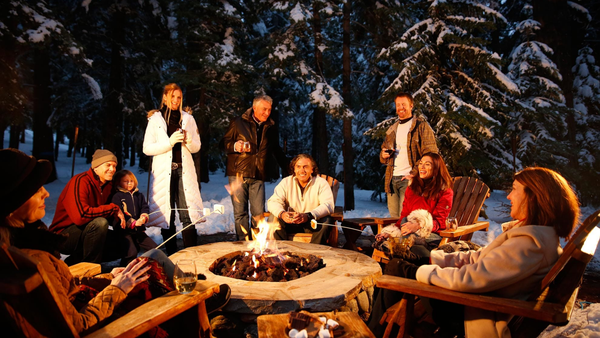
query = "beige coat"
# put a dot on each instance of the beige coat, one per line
(509, 267)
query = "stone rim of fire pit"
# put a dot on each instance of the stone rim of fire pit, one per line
(345, 275)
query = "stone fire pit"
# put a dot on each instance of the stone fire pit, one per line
(346, 275)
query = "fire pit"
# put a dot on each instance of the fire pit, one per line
(271, 266)
(347, 279)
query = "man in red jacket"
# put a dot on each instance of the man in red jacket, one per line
(82, 212)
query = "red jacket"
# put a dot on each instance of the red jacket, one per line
(439, 209)
(82, 200)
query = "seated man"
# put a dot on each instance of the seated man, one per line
(301, 198)
(82, 212)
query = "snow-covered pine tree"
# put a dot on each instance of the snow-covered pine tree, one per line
(586, 89)
(537, 124)
(457, 84)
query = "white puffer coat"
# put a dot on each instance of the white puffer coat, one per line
(156, 143)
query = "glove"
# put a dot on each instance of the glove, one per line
(401, 268)
(176, 137)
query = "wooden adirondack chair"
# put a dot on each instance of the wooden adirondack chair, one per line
(469, 196)
(27, 295)
(551, 302)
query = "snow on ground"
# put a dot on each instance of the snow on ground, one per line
(585, 320)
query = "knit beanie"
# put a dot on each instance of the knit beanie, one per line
(102, 155)
(22, 177)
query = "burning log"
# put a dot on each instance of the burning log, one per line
(267, 267)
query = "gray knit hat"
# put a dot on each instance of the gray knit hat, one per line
(102, 155)
(22, 176)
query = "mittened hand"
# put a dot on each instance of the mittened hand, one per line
(175, 138)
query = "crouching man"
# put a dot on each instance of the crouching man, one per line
(301, 198)
(83, 212)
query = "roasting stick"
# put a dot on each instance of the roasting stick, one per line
(313, 224)
(203, 218)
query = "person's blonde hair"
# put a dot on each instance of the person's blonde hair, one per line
(550, 200)
(119, 176)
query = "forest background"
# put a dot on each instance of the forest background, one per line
(504, 84)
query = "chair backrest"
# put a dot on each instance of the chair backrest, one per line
(561, 284)
(334, 184)
(469, 195)
(27, 299)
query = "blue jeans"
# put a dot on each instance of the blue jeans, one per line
(252, 191)
(396, 198)
(178, 201)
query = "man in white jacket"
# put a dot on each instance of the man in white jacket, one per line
(301, 198)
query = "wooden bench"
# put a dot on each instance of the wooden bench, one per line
(551, 302)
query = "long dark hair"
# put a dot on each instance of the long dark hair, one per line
(440, 179)
(550, 200)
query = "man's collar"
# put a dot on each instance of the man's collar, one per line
(254, 118)
(307, 183)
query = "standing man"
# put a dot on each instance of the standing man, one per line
(171, 138)
(249, 141)
(82, 212)
(300, 198)
(405, 143)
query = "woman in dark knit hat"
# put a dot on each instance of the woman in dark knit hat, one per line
(22, 206)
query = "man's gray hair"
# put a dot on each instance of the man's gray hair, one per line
(259, 98)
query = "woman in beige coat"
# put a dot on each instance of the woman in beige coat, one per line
(544, 208)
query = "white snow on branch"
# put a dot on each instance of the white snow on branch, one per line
(282, 52)
(581, 9)
(457, 103)
(505, 80)
(230, 10)
(94, 87)
(86, 4)
(299, 14)
(227, 48)
(463, 140)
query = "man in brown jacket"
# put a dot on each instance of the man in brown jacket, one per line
(405, 143)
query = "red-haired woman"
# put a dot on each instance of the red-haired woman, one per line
(544, 207)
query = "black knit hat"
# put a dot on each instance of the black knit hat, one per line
(22, 177)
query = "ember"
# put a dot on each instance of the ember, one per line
(268, 267)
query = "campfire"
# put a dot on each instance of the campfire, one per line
(264, 262)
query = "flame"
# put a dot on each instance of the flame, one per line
(264, 240)
(234, 186)
(254, 261)
(233, 265)
(254, 275)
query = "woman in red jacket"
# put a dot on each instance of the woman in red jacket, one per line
(430, 190)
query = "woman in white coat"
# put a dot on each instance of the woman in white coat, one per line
(544, 207)
(171, 138)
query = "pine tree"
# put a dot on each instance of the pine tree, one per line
(538, 119)
(457, 84)
(586, 89)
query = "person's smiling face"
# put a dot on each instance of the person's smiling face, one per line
(426, 167)
(262, 110)
(173, 99)
(303, 170)
(34, 209)
(106, 171)
(403, 107)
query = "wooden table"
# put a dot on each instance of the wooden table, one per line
(376, 224)
(275, 326)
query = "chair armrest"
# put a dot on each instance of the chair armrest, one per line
(386, 221)
(85, 269)
(540, 310)
(465, 229)
(157, 311)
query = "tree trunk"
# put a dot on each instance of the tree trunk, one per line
(113, 127)
(14, 135)
(346, 92)
(42, 133)
(320, 142)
